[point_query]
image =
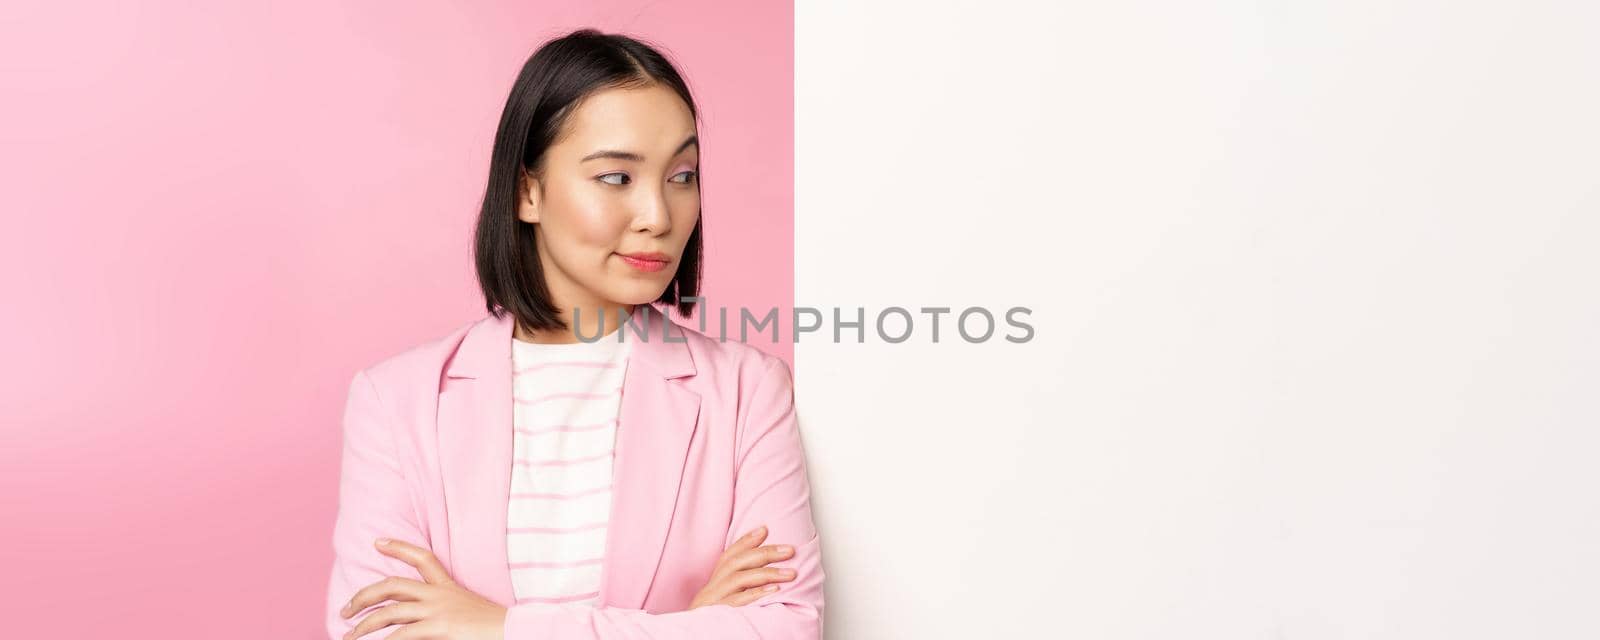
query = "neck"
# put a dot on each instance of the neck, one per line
(589, 320)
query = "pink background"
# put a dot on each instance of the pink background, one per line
(217, 213)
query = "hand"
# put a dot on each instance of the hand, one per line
(438, 609)
(741, 571)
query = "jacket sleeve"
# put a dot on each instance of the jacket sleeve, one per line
(374, 502)
(770, 488)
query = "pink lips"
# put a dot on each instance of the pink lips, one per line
(646, 261)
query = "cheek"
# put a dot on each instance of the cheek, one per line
(685, 212)
(587, 218)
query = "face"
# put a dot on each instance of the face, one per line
(618, 197)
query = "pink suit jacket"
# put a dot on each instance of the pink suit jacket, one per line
(708, 448)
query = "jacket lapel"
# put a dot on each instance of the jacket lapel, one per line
(475, 433)
(654, 426)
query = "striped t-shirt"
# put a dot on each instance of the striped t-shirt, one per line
(566, 398)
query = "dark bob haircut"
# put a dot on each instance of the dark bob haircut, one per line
(559, 75)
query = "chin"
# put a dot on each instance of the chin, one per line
(638, 293)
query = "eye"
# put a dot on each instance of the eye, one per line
(688, 176)
(620, 178)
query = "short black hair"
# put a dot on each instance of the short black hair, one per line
(555, 78)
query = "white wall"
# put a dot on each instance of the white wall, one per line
(1315, 293)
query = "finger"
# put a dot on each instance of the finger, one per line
(427, 564)
(748, 596)
(723, 583)
(756, 577)
(391, 588)
(402, 613)
(747, 541)
(715, 590)
(424, 630)
(732, 584)
(724, 567)
(761, 556)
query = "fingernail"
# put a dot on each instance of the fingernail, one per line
(382, 542)
(786, 549)
(787, 573)
(771, 587)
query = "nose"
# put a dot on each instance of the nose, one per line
(651, 214)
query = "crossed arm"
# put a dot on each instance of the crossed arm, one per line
(771, 488)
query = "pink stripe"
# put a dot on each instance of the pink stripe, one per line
(561, 462)
(555, 565)
(561, 496)
(578, 363)
(556, 396)
(561, 599)
(581, 527)
(567, 427)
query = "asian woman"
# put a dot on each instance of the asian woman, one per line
(575, 463)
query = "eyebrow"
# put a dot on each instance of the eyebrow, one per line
(693, 140)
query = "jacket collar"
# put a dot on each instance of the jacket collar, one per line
(486, 349)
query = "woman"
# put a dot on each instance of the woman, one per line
(519, 479)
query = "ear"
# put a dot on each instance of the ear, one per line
(528, 195)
